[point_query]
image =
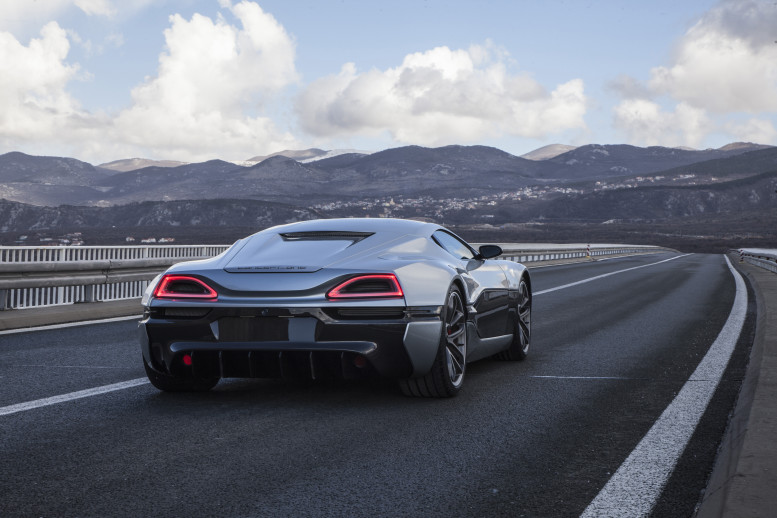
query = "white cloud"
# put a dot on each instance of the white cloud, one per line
(213, 78)
(725, 63)
(112, 40)
(18, 10)
(438, 97)
(18, 16)
(753, 130)
(723, 66)
(629, 88)
(98, 7)
(34, 103)
(211, 74)
(646, 123)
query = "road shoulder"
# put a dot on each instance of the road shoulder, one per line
(51, 315)
(744, 478)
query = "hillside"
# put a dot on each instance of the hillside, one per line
(467, 187)
(546, 152)
(411, 171)
(595, 161)
(741, 209)
(754, 194)
(131, 164)
(16, 168)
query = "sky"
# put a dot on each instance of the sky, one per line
(194, 80)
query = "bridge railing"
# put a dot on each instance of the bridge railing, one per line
(764, 258)
(54, 275)
(523, 253)
(57, 275)
(50, 254)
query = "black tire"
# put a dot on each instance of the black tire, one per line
(446, 376)
(519, 348)
(170, 383)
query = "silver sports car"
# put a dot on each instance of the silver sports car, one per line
(337, 298)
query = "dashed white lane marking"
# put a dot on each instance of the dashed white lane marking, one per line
(616, 378)
(634, 489)
(598, 260)
(585, 377)
(69, 324)
(44, 366)
(23, 407)
(606, 275)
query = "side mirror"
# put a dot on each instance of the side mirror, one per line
(489, 251)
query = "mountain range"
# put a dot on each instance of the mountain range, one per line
(464, 186)
(451, 171)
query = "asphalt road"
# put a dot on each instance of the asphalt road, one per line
(534, 438)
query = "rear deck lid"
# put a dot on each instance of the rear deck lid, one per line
(294, 252)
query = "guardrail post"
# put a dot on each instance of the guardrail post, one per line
(4, 300)
(89, 293)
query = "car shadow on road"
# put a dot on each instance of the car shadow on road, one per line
(235, 392)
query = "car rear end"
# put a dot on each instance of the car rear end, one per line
(286, 305)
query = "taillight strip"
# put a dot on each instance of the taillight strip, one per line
(394, 292)
(163, 288)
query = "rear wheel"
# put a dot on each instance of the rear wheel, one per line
(447, 373)
(170, 383)
(519, 348)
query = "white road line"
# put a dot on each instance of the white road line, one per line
(618, 378)
(634, 489)
(597, 260)
(23, 407)
(587, 377)
(33, 366)
(605, 275)
(69, 324)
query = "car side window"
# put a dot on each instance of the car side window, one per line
(453, 245)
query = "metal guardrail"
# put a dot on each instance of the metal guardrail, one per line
(764, 258)
(58, 275)
(46, 254)
(528, 255)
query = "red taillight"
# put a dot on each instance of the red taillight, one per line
(183, 287)
(375, 285)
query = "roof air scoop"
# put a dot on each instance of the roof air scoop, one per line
(326, 235)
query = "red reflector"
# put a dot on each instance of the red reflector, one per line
(187, 360)
(382, 285)
(183, 286)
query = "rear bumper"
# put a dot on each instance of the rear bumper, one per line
(303, 342)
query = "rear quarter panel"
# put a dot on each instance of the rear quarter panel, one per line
(514, 271)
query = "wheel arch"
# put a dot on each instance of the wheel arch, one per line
(525, 275)
(459, 283)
